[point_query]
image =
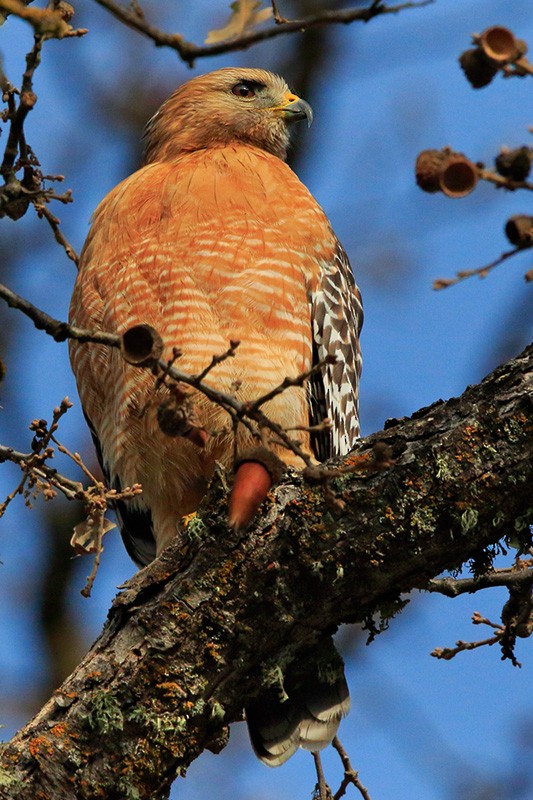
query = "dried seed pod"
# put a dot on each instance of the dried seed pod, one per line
(176, 417)
(141, 345)
(427, 169)
(459, 176)
(445, 171)
(519, 230)
(499, 44)
(173, 418)
(478, 70)
(514, 164)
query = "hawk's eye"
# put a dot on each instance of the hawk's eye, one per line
(244, 89)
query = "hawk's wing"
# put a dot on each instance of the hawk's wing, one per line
(337, 317)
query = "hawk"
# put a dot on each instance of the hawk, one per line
(215, 239)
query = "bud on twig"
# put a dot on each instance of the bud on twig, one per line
(140, 345)
(445, 171)
(519, 230)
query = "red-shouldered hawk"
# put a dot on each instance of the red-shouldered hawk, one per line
(215, 239)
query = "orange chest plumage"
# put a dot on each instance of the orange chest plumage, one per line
(220, 244)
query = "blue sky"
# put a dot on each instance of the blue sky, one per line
(419, 727)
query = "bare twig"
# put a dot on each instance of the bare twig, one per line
(229, 353)
(519, 68)
(53, 221)
(447, 653)
(279, 19)
(452, 587)
(239, 412)
(38, 478)
(15, 194)
(482, 272)
(502, 182)
(189, 52)
(351, 776)
(322, 790)
(289, 383)
(18, 115)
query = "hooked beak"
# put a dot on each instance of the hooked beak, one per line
(294, 108)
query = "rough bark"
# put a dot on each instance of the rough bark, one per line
(220, 614)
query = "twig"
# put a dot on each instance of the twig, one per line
(502, 182)
(289, 383)
(279, 19)
(71, 489)
(351, 776)
(16, 195)
(482, 272)
(189, 52)
(17, 117)
(452, 587)
(239, 412)
(229, 353)
(447, 653)
(53, 221)
(519, 68)
(322, 790)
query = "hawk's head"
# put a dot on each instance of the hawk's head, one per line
(233, 104)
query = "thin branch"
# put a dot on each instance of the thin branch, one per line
(447, 653)
(18, 116)
(322, 790)
(351, 776)
(501, 181)
(239, 412)
(289, 383)
(216, 360)
(28, 462)
(452, 587)
(482, 272)
(189, 52)
(53, 221)
(519, 68)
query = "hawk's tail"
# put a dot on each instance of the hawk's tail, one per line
(304, 712)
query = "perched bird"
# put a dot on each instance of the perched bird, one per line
(215, 239)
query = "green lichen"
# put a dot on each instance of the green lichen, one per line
(272, 677)
(498, 519)
(514, 432)
(217, 710)
(195, 528)
(444, 466)
(105, 715)
(159, 725)
(469, 520)
(423, 520)
(127, 790)
(9, 780)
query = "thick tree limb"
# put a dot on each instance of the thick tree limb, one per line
(219, 614)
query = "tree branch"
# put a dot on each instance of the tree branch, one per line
(189, 52)
(204, 627)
